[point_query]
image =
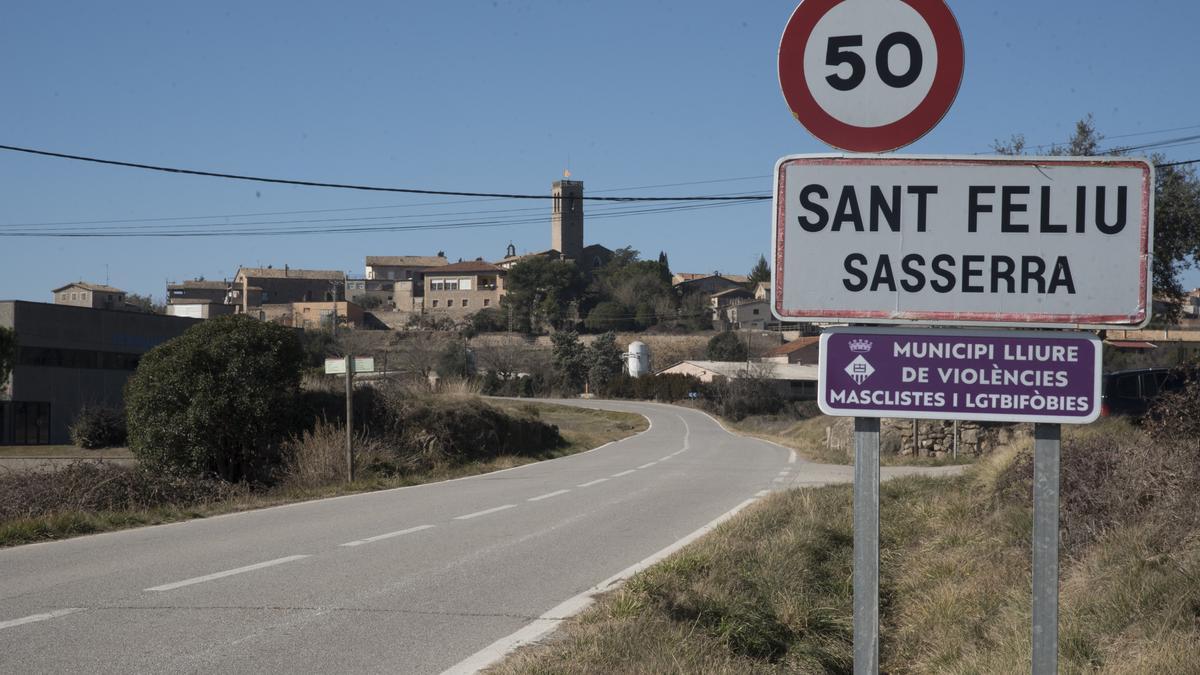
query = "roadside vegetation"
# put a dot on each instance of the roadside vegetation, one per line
(219, 421)
(770, 591)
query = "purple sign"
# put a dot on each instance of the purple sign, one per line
(1003, 376)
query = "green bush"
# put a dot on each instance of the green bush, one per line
(99, 427)
(432, 431)
(218, 399)
(726, 346)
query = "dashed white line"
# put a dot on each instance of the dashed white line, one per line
(592, 482)
(647, 465)
(547, 495)
(623, 473)
(780, 479)
(226, 573)
(792, 457)
(389, 535)
(33, 618)
(785, 472)
(485, 512)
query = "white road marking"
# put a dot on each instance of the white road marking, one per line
(792, 457)
(226, 573)
(389, 535)
(762, 493)
(785, 472)
(663, 459)
(548, 495)
(33, 618)
(485, 512)
(647, 465)
(592, 482)
(544, 624)
(780, 479)
(623, 473)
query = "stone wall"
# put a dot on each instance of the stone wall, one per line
(929, 438)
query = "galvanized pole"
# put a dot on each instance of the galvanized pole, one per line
(349, 419)
(866, 545)
(1045, 548)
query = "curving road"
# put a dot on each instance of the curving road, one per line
(413, 580)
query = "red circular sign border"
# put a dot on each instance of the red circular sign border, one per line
(920, 121)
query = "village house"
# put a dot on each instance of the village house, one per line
(326, 315)
(260, 286)
(402, 267)
(793, 381)
(463, 288)
(802, 350)
(95, 296)
(746, 315)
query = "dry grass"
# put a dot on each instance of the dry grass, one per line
(65, 451)
(769, 592)
(808, 437)
(94, 497)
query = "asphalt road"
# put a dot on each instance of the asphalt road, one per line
(413, 580)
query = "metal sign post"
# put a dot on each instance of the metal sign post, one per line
(349, 365)
(1045, 548)
(349, 419)
(866, 545)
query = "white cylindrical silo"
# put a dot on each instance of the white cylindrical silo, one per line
(637, 360)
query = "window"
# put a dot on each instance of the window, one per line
(437, 285)
(449, 302)
(487, 301)
(465, 301)
(391, 274)
(464, 284)
(756, 312)
(435, 303)
(63, 296)
(1127, 386)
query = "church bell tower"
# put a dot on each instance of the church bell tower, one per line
(566, 220)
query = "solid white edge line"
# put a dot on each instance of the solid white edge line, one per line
(647, 465)
(226, 573)
(623, 473)
(592, 482)
(547, 495)
(547, 622)
(663, 459)
(33, 618)
(485, 512)
(389, 535)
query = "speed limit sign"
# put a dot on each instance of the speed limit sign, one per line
(870, 75)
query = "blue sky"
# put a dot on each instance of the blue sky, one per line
(488, 96)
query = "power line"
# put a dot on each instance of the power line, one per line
(350, 186)
(362, 228)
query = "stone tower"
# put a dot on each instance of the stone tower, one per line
(566, 220)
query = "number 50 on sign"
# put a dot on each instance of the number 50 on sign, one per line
(870, 75)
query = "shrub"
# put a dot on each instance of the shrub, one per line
(317, 456)
(99, 427)
(726, 346)
(431, 431)
(736, 399)
(607, 316)
(98, 487)
(667, 387)
(218, 399)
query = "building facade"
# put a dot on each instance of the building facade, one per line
(256, 286)
(69, 357)
(464, 288)
(92, 296)
(402, 267)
